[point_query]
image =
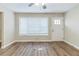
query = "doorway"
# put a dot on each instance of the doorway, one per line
(57, 29)
(1, 21)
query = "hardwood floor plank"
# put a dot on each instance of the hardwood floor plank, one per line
(51, 50)
(40, 49)
(58, 50)
(18, 49)
(69, 49)
(6, 49)
(27, 51)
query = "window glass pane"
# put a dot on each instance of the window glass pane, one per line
(56, 21)
(33, 26)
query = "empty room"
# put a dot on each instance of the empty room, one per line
(39, 29)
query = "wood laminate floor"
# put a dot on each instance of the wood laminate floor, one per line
(40, 49)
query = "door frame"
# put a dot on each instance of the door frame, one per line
(2, 29)
(52, 29)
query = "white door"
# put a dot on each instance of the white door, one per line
(57, 29)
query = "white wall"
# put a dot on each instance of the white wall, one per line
(72, 26)
(50, 37)
(8, 26)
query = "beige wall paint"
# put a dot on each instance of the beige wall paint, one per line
(34, 38)
(72, 26)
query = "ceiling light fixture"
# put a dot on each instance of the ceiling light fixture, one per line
(37, 4)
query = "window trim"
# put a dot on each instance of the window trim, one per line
(34, 33)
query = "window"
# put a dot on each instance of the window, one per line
(33, 26)
(56, 21)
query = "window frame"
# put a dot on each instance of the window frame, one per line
(34, 33)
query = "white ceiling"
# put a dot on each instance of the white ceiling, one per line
(51, 7)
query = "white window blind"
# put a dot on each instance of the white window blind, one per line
(33, 25)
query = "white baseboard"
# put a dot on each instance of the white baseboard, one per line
(72, 44)
(34, 41)
(7, 44)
